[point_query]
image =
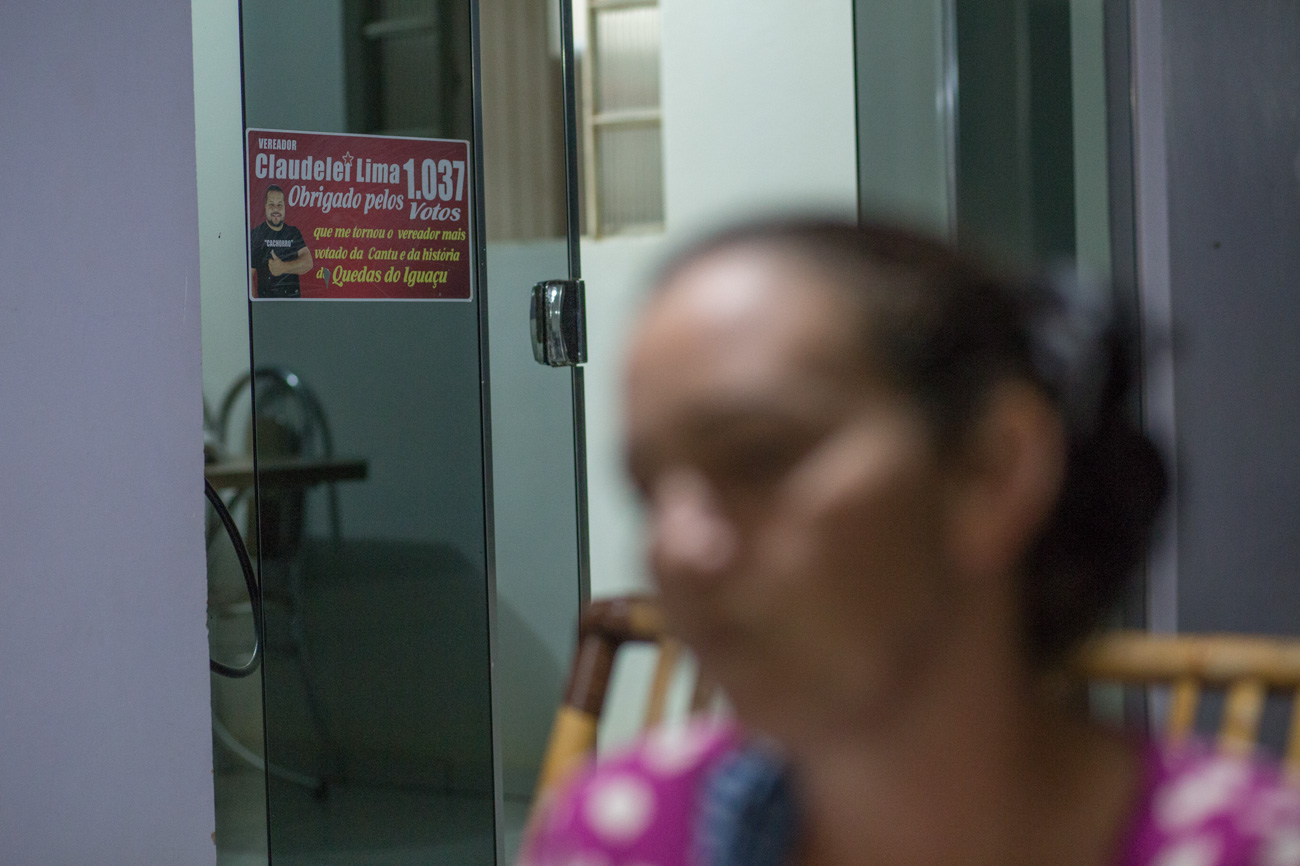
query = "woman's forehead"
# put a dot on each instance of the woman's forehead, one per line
(744, 323)
(763, 294)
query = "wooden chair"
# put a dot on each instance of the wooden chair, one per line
(1247, 668)
(604, 627)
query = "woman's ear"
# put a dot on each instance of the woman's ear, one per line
(1007, 481)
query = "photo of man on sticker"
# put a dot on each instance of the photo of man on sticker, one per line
(278, 253)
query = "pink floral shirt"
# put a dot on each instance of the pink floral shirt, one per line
(643, 807)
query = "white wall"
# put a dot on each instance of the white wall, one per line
(615, 271)
(758, 109)
(105, 742)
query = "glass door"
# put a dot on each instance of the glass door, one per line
(420, 513)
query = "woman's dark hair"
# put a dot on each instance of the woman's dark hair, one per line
(946, 329)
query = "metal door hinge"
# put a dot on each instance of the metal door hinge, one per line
(558, 321)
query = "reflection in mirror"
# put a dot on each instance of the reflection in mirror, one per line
(370, 431)
(1031, 137)
(374, 566)
(533, 434)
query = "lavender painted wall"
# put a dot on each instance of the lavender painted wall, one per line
(105, 749)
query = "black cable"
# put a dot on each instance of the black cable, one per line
(250, 580)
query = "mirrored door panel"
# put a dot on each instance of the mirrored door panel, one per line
(414, 524)
(1030, 124)
(537, 438)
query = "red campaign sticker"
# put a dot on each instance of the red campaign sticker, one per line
(358, 216)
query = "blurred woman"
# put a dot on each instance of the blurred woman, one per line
(888, 493)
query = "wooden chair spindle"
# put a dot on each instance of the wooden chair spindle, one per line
(1183, 700)
(670, 653)
(1291, 760)
(1241, 713)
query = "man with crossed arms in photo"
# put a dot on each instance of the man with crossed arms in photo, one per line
(278, 252)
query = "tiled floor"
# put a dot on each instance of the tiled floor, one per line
(355, 826)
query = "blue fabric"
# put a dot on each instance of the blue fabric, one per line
(747, 817)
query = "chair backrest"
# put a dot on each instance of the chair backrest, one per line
(603, 628)
(289, 421)
(1246, 668)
